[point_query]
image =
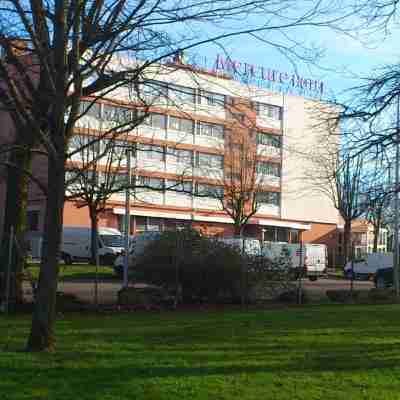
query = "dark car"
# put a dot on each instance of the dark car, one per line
(383, 278)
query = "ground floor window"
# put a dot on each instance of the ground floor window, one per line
(141, 224)
(279, 234)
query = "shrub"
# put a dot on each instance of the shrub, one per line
(196, 267)
(342, 295)
(146, 297)
(386, 295)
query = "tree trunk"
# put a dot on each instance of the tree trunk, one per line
(42, 329)
(346, 241)
(94, 248)
(377, 228)
(238, 230)
(15, 216)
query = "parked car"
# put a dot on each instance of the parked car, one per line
(383, 278)
(137, 245)
(364, 269)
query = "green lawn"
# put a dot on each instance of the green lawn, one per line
(326, 352)
(78, 272)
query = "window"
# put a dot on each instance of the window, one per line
(269, 234)
(150, 152)
(211, 99)
(119, 180)
(179, 186)
(121, 115)
(78, 142)
(276, 234)
(182, 156)
(154, 90)
(156, 120)
(89, 108)
(212, 130)
(268, 198)
(150, 182)
(269, 110)
(32, 220)
(294, 236)
(268, 168)
(205, 190)
(210, 160)
(182, 94)
(269, 140)
(181, 124)
(282, 235)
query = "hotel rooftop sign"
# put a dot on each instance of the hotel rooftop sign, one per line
(268, 78)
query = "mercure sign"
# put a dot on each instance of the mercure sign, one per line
(269, 78)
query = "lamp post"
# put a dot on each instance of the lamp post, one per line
(127, 217)
(396, 205)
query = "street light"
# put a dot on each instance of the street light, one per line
(127, 217)
(396, 205)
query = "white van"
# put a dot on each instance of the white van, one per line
(366, 268)
(250, 246)
(76, 244)
(310, 258)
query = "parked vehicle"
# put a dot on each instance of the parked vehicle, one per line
(250, 246)
(137, 245)
(308, 258)
(76, 244)
(34, 241)
(365, 269)
(383, 278)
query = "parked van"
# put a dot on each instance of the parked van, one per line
(76, 244)
(34, 242)
(366, 268)
(250, 246)
(308, 258)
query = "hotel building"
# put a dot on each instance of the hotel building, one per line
(182, 143)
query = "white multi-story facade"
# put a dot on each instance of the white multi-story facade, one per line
(182, 143)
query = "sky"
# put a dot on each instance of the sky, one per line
(344, 61)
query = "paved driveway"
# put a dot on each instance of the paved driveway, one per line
(108, 290)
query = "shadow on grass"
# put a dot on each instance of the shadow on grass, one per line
(121, 353)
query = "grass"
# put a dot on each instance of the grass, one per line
(76, 272)
(325, 352)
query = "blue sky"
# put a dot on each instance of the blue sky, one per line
(344, 62)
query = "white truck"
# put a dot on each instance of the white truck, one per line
(76, 244)
(365, 269)
(308, 258)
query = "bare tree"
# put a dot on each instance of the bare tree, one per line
(340, 177)
(379, 195)
(241, 184)
(94, 175)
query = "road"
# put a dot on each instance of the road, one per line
(108, 290)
